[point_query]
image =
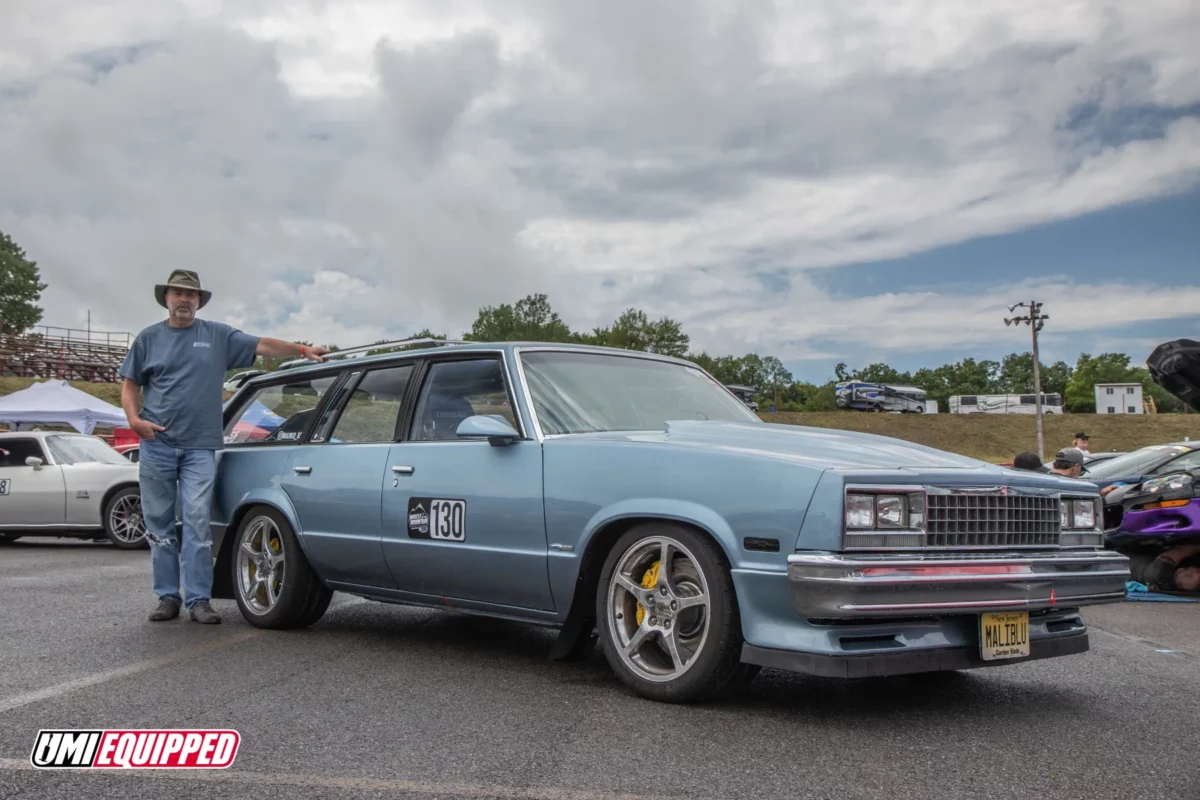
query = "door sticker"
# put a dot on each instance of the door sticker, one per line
(437, 518)
(4, 484)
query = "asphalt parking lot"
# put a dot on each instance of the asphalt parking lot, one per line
(385, 701)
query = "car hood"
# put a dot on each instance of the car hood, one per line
(821, 448)
(1175, 366)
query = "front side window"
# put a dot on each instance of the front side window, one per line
(374, 407)
(13, 452)
(456, 390)
(83, 450)
(278, 413)
(588, 392)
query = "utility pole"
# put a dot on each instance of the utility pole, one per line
(1035, 320)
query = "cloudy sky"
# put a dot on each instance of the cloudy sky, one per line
(821, 181)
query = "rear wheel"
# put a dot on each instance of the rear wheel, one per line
(123, 522)
(273, 583)
(668, 616)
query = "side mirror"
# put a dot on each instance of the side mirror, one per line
(33, 461)
(490, 426)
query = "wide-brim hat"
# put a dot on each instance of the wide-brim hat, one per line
(181, 279)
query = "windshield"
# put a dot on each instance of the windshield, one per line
(1136, 463)
(83, 450)
(587, 392)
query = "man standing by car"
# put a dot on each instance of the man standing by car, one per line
(181, 364)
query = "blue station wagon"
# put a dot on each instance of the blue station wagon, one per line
(630, 499)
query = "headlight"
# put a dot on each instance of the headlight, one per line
(1080, 520)
(1077, 514)
(860, 511)
(1156, 485)
(891, 510)
(887, 519)
(1085, 514)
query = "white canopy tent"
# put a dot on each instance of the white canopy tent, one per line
(58, 403)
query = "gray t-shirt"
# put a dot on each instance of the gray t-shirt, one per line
(183, 372)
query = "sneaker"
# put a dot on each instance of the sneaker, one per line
(167, 609)
(203, 612)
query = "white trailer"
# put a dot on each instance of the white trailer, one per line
(1005, 403)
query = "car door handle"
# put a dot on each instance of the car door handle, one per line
(405, 470)
(302, 470)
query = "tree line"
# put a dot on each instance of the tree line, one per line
(533, 319)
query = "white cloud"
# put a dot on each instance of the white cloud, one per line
(342, 171)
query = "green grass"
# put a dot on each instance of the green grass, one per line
(995, 438)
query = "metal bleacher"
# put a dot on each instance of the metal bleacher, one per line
(65, 353)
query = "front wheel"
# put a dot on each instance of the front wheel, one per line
(124, 524)
(273, 583)
(668, 615)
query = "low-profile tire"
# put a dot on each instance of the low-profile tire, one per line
(273, 583)
(694, 606)
(124, 524)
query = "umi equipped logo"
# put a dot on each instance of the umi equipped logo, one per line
(201, 344)
(135, 749)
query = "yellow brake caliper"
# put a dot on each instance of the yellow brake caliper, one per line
(648, 581)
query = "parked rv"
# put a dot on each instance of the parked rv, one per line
(1005, 403)
(863, 396)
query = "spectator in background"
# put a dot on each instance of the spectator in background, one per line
(1081, 442)
(1068, 462)
(1029, 461)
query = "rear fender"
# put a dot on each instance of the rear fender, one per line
(223, 558)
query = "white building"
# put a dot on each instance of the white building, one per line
(1119, 398)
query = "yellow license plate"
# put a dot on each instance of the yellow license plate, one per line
(1004, 635)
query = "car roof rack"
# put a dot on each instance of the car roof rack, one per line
(362, 350)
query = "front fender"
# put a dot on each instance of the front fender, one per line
(664, 508)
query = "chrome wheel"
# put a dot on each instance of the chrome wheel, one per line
(125, 521)
(260, 565)
(659, 609)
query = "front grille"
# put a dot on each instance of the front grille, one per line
(992, 520)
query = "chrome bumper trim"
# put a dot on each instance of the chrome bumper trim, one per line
(833, 586)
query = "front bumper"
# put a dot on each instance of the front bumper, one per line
(911, 661)
(834, 586)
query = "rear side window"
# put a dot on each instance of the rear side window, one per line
(278, 413)
(373, 410)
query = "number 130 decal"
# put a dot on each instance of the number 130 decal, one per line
(3, 485)
(437, 518)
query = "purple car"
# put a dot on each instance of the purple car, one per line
(1163, 509)
(1160, 511)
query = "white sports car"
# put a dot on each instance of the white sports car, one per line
(68, 484)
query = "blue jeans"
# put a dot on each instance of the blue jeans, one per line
(171, 474)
